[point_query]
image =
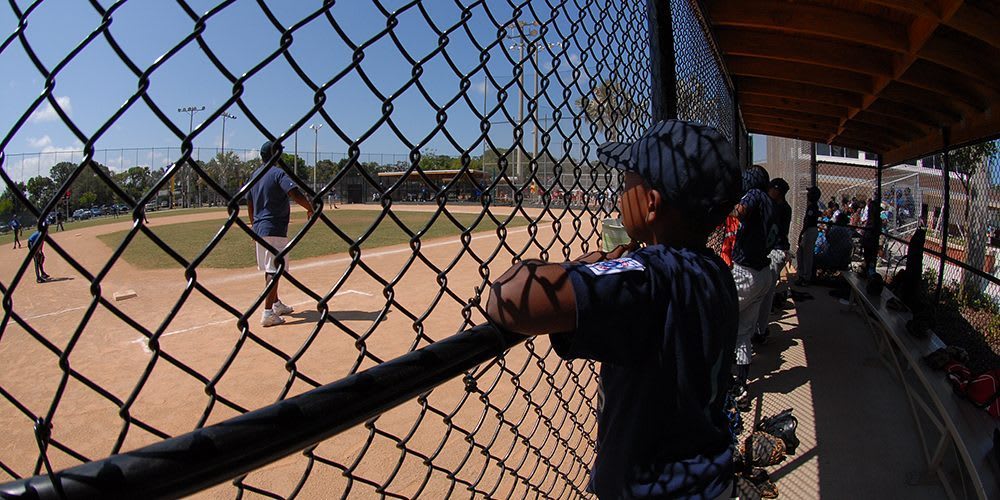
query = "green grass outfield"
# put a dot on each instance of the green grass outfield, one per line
(236, 250)
(8, 238)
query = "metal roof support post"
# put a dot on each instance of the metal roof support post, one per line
(945, 208)
(662, 71)
(812, 164)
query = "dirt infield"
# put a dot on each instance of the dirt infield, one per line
(250, 374)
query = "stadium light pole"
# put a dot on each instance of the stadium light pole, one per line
(190, 110)
(520, 87)
(225, 168)
(295, 169)
(315, 127)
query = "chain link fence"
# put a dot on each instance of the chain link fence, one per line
(497, 109)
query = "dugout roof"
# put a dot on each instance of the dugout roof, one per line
(883, 76)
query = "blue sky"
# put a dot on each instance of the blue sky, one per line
(96, 83)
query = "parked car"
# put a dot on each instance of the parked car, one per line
(82, 214)
(151, 206)
(4, 229)
(121, 208)
(164, 204)
(96, 211)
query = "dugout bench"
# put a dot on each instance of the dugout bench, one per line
(956, 437)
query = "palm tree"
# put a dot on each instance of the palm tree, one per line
(608, 107)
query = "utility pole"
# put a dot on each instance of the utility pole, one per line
(295, 169)
(521, 43)
(315, 127)
(190, 110)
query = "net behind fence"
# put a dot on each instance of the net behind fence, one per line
(149, 326)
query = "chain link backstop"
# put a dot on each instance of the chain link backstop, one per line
(495, 110)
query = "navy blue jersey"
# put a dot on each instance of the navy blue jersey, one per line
(663, 323)
(811, 218)
(757, 234)
(269, 196)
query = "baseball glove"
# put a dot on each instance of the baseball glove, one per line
(762, 450)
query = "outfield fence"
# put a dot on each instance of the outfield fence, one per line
(477, 413)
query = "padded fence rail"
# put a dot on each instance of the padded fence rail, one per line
(476, 148)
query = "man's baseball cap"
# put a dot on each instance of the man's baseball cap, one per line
(780, 184)
(269, 149)
(691, 165)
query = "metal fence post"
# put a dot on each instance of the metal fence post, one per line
(662, 71)
(945, 209)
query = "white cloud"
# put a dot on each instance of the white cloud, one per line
(46, 113)
(479, 87)
(41, 142)
(574, 58)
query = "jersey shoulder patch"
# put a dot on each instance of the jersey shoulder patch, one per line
(622, 265)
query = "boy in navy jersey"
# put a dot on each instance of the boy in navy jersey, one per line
(661, 320)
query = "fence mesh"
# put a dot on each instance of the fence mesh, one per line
(150, 328)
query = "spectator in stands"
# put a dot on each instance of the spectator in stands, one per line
(661, 320)
(835, 253)
(779, 253)
(807, 238)
(267, 205)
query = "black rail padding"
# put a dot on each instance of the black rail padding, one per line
(197, 460)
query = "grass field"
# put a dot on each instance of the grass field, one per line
(8, 238)
(236, 250)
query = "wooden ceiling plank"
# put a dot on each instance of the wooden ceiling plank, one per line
(790, 113)
(904, 94)
(953, 54)
(931, 77)
(817, 128)
(908, 127)
(906, 112)
(809, 19)
(977, 23)
(918, 33)
(804, 135)
(786, 103)
(925, 8)
(837, 55)
(803, 73)
(803, 91)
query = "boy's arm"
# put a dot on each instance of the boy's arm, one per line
(533, 298)
(250, 209)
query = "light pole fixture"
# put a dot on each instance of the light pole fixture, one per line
(521, 41)
(315, 127)
(190, 110)
(222, 158)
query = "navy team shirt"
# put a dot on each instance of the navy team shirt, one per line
(662, 322)
(757, 233)
(270, 202)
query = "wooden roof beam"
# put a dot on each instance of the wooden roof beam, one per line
(796, 90)
(785, 121)
(918, 34)
(800, 72)
(908, 127)
(829, 121)
(836, 54)
(792, 104)
(813, 20)
(932, 77)
(925, 8)
(806, 135)
(977, 23)
(954, 54)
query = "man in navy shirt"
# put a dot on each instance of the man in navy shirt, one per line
(751, 268)
(15, 225)
(661, 320)
(267, 205)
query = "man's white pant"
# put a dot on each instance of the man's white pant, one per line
(751, 287)
(778, 258)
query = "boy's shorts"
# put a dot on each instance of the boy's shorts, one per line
(266, 261)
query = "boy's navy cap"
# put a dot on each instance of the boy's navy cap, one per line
(269, 149)
(780, 184)
(691, 165)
